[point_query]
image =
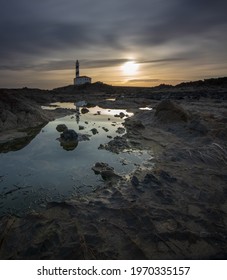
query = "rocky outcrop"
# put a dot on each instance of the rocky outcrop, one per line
(168, 112)
(18, 111)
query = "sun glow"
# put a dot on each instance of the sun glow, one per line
(130, 68)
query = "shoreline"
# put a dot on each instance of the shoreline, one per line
(175, 209)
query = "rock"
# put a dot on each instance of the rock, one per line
(84, 111)
(69, 135)
(61, 127)
(105, 129)
(69, 139)
(94, 131)
(106, 171)
(120, 130)
(81, 127)
(168, 112)
(109, 175)
(118, 144)
(101, 166)
(120, 115)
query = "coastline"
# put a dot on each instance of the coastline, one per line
(175, 209)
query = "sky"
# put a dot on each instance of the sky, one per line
(119, 42)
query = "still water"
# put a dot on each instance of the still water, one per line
(43, 171)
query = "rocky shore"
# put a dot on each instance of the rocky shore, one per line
(174, 209)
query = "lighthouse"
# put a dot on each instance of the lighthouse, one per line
(80, 80)
(77, 69)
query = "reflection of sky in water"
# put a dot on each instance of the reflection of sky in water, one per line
(45, 171)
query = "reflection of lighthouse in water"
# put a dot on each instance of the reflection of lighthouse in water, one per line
(79, 80)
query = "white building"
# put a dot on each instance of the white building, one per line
(80, 80)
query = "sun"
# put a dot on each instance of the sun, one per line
(130, 68)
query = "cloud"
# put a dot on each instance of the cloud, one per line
(134, 81)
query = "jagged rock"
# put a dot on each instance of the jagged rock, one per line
(61, 127)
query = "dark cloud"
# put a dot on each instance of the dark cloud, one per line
(48, 34)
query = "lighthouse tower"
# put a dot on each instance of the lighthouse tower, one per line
(77, 69)
(79, 80)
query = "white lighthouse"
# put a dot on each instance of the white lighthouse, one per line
(80, 80)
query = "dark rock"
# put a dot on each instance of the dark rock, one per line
(84, 111)
(61, 127)
(106, 171)
(101, 166)
(69, 135)
(105, 129)
(94, 131)
(81, 127)
(69, 139)
(120, 130)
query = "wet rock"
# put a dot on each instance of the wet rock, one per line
(101, 166)
(69, 139)
(84, 111)
(116, 145)
(120, 115)
(69, 135)
(61, 127)
(106, 171)
(109, 175)
(168, 112)
(94, 131)
(120, 130)
(81, 127)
